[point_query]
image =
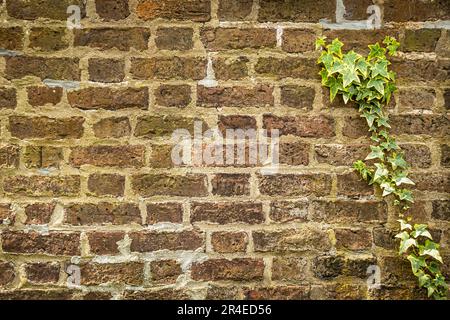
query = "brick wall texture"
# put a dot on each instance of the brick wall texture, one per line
(86, 177)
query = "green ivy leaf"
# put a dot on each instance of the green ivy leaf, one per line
(405, 226)
(380, 68)
(320, 43)
(377, 84)
(335, 47)
(377, 153)
(431, 249)
(420, 230)
(417, 263)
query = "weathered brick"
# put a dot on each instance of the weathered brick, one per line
(302, 238)
(352, 185)
(106, 70)
(174, 38)
(416, 10)
(51, 9)
(226, 242)
(417, 155)
(230, 68)
(385, 238)
(290, 67)
(431, 181)
(34, 294)
(346, 211)
(102, 213)
(54, 243)
(296, 11)
(112, 9)
(295, 184)
(289, 269)
(357, 9)
(353, 239)
(235, 122)
(278, 293)
(229, 184)
(219, 39)
(6, 214)
(420, 70)
(438, 126)
(195, 10)
(39, 213)
(227, 212)
(44, 127)
(331, 266)
(340, 155)
(223, 292)
(130, 273)
(421, 40)
(173, 95)
(302, 126)
(104, 243)
(109, 98)
(447, 99)
(299, 97)
(48, 39)
(123, 39)
(159, 294)
(154, 241)
(441, 210)
(42, 186)
(8, 98)
(9, 156)
(165, 271)
(355, 127)
(11, 38)
(42, 272)
(417, 99)
(106, 184)
(165, 68)
(294, 153)
(40, 96)
(445, 155)
(7, 273)
(234, 10)
(45, 68)
(237, 96)
(160, 126)
(164, 212)
(148, 185)
(298, 40)
(42, 157)
(112, 127)
(243, 269)
(108, 156)
(161, 156)
(93, 295)
(286, 211)
(395, 270)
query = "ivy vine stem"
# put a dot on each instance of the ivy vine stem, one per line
(369, 83)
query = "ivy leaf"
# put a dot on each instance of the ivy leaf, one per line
(370, 118)
(326, 59)
(376, 51)
(377, 84)
(320, 43)
(404, 225)
(397, 162)
(387, 189)
(417, 263)
(406, 244)
(377, 153)
(391, 44)
(334, 85)
(405, 195)
(362, 66)
(380, 68)
(349, 75)
(431, 249)
(404, 180)
(381, 173)
(420, 230)
(335, 47)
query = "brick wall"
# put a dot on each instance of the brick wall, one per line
(87, 181)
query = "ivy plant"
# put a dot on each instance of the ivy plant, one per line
(367, 81)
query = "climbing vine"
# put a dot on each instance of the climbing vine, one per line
(369, 82)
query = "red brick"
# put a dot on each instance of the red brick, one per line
(148, 185)
(437, 126)
(11, 38)
(416, 10)
(244, 269)
(226, 242)
(420, 70)
(7, 273)
(294, 153)
(39, 213)
(231, 68)
(34, 294)
(158, 294)
(353, 239)
(42, 272)
(417, 99)
(112, 127)
(289, 269)
(229, 184)
(290, 67)
(108, 156)
(6, 214)
(104, 243)
(165, 271)
(296, 11)
(236, 122)
(130, 273)
(51, 9)
(164, 212)
(295, 185)
(424, 40)
(123, 39)
(111, 10)
(298, 97)
(352, 185)
(219, 39)
(43, 127)
(195, 10)
(165, 68)
(155, 241)
(173, 95)
(54, 243)
(42, 157)
(317, 126)
(42, 186)
(445, 155)
(216, 97)
(431, 181)
(44, 68)
(355, 127)
(278, 293)
(48, 39)
(106, 70)
(160, 126)
(106, 184)
(102, 213)
(8, 98)
(298, 40)
(441, 210)
(108, 98)
(286, 211)
(40, 96)
(234, 10)
(174, 38)
(347, 211)
(417, 155)
(227, 212)
(9, 156)
(340, 155)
